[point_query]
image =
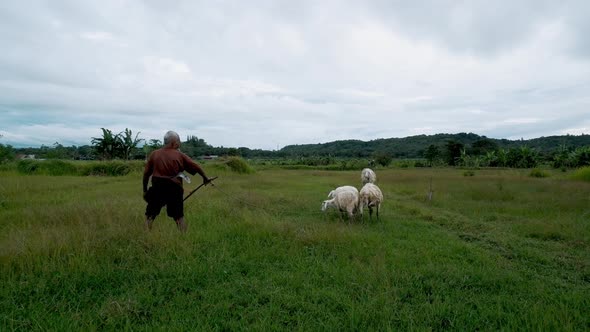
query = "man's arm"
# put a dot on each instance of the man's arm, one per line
(147, 172)
(194, 168)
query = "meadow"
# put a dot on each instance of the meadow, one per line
(496, 249)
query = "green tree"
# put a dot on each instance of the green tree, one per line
(58, 151)
(522, 157)
(128, 143)
(490, 159)
(453, 153)
(6, 153)
(431, 154)
(561, 158)
(108, 145)
(581, 156)
(383, 158)
(483, 146)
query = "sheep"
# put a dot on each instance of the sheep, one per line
(368, 176)
(370, 196)
(343, 188)
(345, 199)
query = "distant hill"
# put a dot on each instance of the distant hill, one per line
(413, 146)
(407, 147)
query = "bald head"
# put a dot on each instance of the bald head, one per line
(171, 139)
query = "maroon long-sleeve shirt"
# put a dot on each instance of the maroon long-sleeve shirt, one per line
(166, 163)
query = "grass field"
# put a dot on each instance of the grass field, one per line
(496, 250)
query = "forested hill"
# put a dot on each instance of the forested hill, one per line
(413, 146)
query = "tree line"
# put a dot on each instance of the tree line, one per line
(462, 149)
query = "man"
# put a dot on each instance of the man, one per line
(164, 165)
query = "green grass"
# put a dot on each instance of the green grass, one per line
(499, 250)
(582, 173)
(68, 167)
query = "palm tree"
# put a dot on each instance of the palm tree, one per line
(127, 143)
(107, 145)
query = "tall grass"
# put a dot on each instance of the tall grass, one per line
(84, 168)
(239, 165)
(497, 251)
(582, 173)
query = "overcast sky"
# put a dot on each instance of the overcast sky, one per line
(265, 74)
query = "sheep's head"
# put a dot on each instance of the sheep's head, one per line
(326, 205)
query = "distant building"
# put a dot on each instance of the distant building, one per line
(25, 156)
(209, 157)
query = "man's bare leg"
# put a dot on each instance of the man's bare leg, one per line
(148, 223)
(181, 224)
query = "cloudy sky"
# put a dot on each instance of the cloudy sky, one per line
(265, 74)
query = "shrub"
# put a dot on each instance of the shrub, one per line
(57, 167)
(522, 157)
(582, 174)
(60, 167)
(239, 165)
(538, 173)
(49, 167)
(404, 164)
(107, 168)
(469, 173)
(6, 153)
(27, 166)
(8, 166)
(383, 158)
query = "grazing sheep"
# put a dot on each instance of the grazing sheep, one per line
(370, 196)
(368, 176)
(339, 189)
(345, 199)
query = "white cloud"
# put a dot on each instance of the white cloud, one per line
(521, 120)
(96, 35)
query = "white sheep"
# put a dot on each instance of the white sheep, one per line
(345, 199)
(339, 189)
(370, 196)
(368, 176)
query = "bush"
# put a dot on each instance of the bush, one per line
(27, 166)
(108, 168)
(57, 167)
(582, 174)
(239, 165)
(49, 167)
(8, 166)
(383, 158)
(539, 173)
(60, 167)
(6, 153)
(469, 173)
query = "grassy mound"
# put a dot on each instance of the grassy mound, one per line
(239, 165)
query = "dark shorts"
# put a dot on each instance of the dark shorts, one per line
(164, 192)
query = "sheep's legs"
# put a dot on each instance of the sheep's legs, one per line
(370, 213)
(351, 216)
(148, 223)
(181, 224)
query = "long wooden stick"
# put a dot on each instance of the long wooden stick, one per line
(199, 187)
